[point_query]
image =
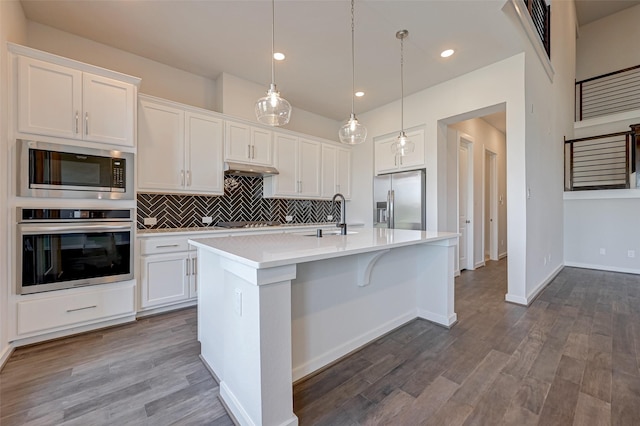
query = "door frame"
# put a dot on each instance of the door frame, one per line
(466, 140)
(493, 202)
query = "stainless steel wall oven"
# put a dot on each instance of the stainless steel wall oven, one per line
(66, 248)
(65, 171)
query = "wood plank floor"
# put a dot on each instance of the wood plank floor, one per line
(571, 358)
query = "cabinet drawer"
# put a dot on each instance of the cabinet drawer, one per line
(59, 311)
(163, 245)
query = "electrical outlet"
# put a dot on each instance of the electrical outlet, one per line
(603, 251)
(330, 217)
(545, 260)
(207, 219)
(288, 218)
(631, 253)
(150, 221)
(238, 302)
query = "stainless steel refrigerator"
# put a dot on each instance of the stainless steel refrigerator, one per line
(399, 200)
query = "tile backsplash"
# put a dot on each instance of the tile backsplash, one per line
(242, 200)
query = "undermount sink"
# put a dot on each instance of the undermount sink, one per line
(331, 232)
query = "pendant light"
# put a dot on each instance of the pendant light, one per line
(352, 132)
(272, 109)
(402, 146)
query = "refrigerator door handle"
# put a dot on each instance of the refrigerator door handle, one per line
(390, 206)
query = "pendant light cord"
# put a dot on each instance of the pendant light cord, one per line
(273, 42)
(353, 61)
(402, 84)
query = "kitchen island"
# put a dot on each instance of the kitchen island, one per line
(274, 308)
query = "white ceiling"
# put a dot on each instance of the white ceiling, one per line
(207, 37)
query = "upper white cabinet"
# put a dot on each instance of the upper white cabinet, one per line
(336, 171)
(386, 161)
(298, 163)
(247, 144)
(179, 148)
(64, 99)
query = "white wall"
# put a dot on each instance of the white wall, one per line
(237, 97)
(608, 44)
(12, 28)
(592, 223)
(485, 136)
(549, 120)
(459, 99)
(157, 79)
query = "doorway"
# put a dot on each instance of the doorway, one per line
(465, 202)
(490, 210)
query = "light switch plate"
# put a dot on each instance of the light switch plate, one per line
(207, 219)
(238, 302)
(288, 218)
(150, 221)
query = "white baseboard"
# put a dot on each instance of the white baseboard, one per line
(5, 355)
(232, 403)
(161, 310)
(502, 255)
(480, 264)
(602, 267)
(526, 301)
(308, 367)
(438, 319)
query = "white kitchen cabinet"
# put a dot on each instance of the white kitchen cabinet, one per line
(336, 171)
(167, 271)
(386, 161)
(244, 143)
(179, 148)
(298, 163)
(61, 101)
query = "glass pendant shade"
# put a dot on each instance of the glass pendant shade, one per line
(273, 110)
(403, 146)
(352, 132)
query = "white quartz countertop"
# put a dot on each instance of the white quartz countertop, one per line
(271, 250)
(213, 230)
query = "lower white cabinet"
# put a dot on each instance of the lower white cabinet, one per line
(44, 312)
(167, 272)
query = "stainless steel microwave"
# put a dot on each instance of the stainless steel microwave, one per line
(66, 171)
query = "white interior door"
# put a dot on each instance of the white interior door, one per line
(464, 206)
(492, 199)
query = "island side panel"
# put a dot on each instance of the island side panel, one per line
(332, 315)
(257, 381)
(435, 291)
(210, 311)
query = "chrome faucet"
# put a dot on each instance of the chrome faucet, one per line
(343, 214)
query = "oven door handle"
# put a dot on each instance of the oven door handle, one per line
(58, 229)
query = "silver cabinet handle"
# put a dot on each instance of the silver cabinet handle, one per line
(188, 263)
(395, 160)
(77, 118)
(181, 177)
(194, 265)
(167, 246)
(253, 151)
(86, 123)
(82, 309)
(248, 151)
(188, 177)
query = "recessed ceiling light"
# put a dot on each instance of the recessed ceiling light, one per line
(278, 56)
(359, 94)
(447, 53)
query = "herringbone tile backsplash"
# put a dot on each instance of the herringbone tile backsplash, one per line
(242, 202)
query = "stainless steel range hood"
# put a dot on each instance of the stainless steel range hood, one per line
(243, 169)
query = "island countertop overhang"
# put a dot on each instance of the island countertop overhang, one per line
(273, 250)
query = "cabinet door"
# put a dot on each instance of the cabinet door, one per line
(416, 158)
(49, 99)
(261, 146)
(203, 139)
(108, 110)
(343, 172)
(164, 279)
(237, 142)
(385, 158)
(328, 174)
(160, 156)
(309, 168)
(286, 161)
(193, 276)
